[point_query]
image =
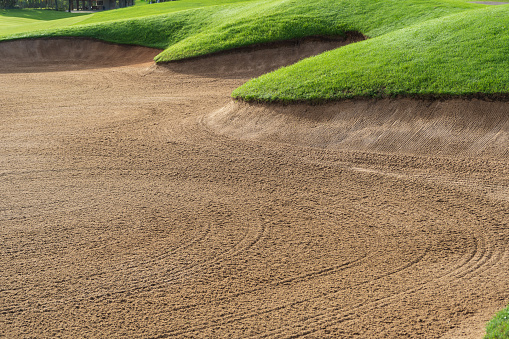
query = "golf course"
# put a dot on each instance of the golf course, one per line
(255, 169)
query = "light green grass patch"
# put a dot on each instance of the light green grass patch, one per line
(498, 327)
(143, 9)
(28, 23)
(23, 18)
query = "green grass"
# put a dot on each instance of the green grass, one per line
(16, 24)
(143, 9)
(456, 55)
(31, 15)
(196, 27)
(498, 327)
(417, 48)
(16, 18)
(266, 21)
(191, 28)
(16, 21)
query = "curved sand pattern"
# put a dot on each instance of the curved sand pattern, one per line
(131, 207)
(47, 55)
(467, 127)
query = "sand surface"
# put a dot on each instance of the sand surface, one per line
(140, 202)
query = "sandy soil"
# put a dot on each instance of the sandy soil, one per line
(131, 206)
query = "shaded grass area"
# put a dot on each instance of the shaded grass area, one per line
(15, 18)
(464, 54)
(498, 327)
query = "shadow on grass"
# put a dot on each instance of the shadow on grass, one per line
(37, 14)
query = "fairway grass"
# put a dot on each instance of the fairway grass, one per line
(28, 20)
(27, 23)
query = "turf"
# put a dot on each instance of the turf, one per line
(206, 28)
(14, 19)
(268, 21)
(464, 54)
(498, 327)
(35, 23)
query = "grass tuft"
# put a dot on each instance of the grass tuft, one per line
(498, 327)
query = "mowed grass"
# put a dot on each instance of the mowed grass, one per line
(187, 29)
(35, 23)
(498, 327)
(12, 20)
(465, 54)
(143, 9)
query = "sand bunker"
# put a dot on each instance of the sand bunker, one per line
(259, 59)
(47, 55)
(467, 127)
(141, 202)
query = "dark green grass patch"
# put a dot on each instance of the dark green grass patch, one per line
(498, 327)
(457, 55)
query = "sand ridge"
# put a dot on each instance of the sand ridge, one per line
(454, 127)
(131, 207)
(59, 54)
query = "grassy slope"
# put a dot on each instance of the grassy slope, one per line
(498, 327)
(461, 54)
(187, 33)
(43, 22)
(14, 20)
(266, 21)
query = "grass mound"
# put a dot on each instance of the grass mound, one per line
(418, 47)
(456, 55)
(498, 327)
(186, 32)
